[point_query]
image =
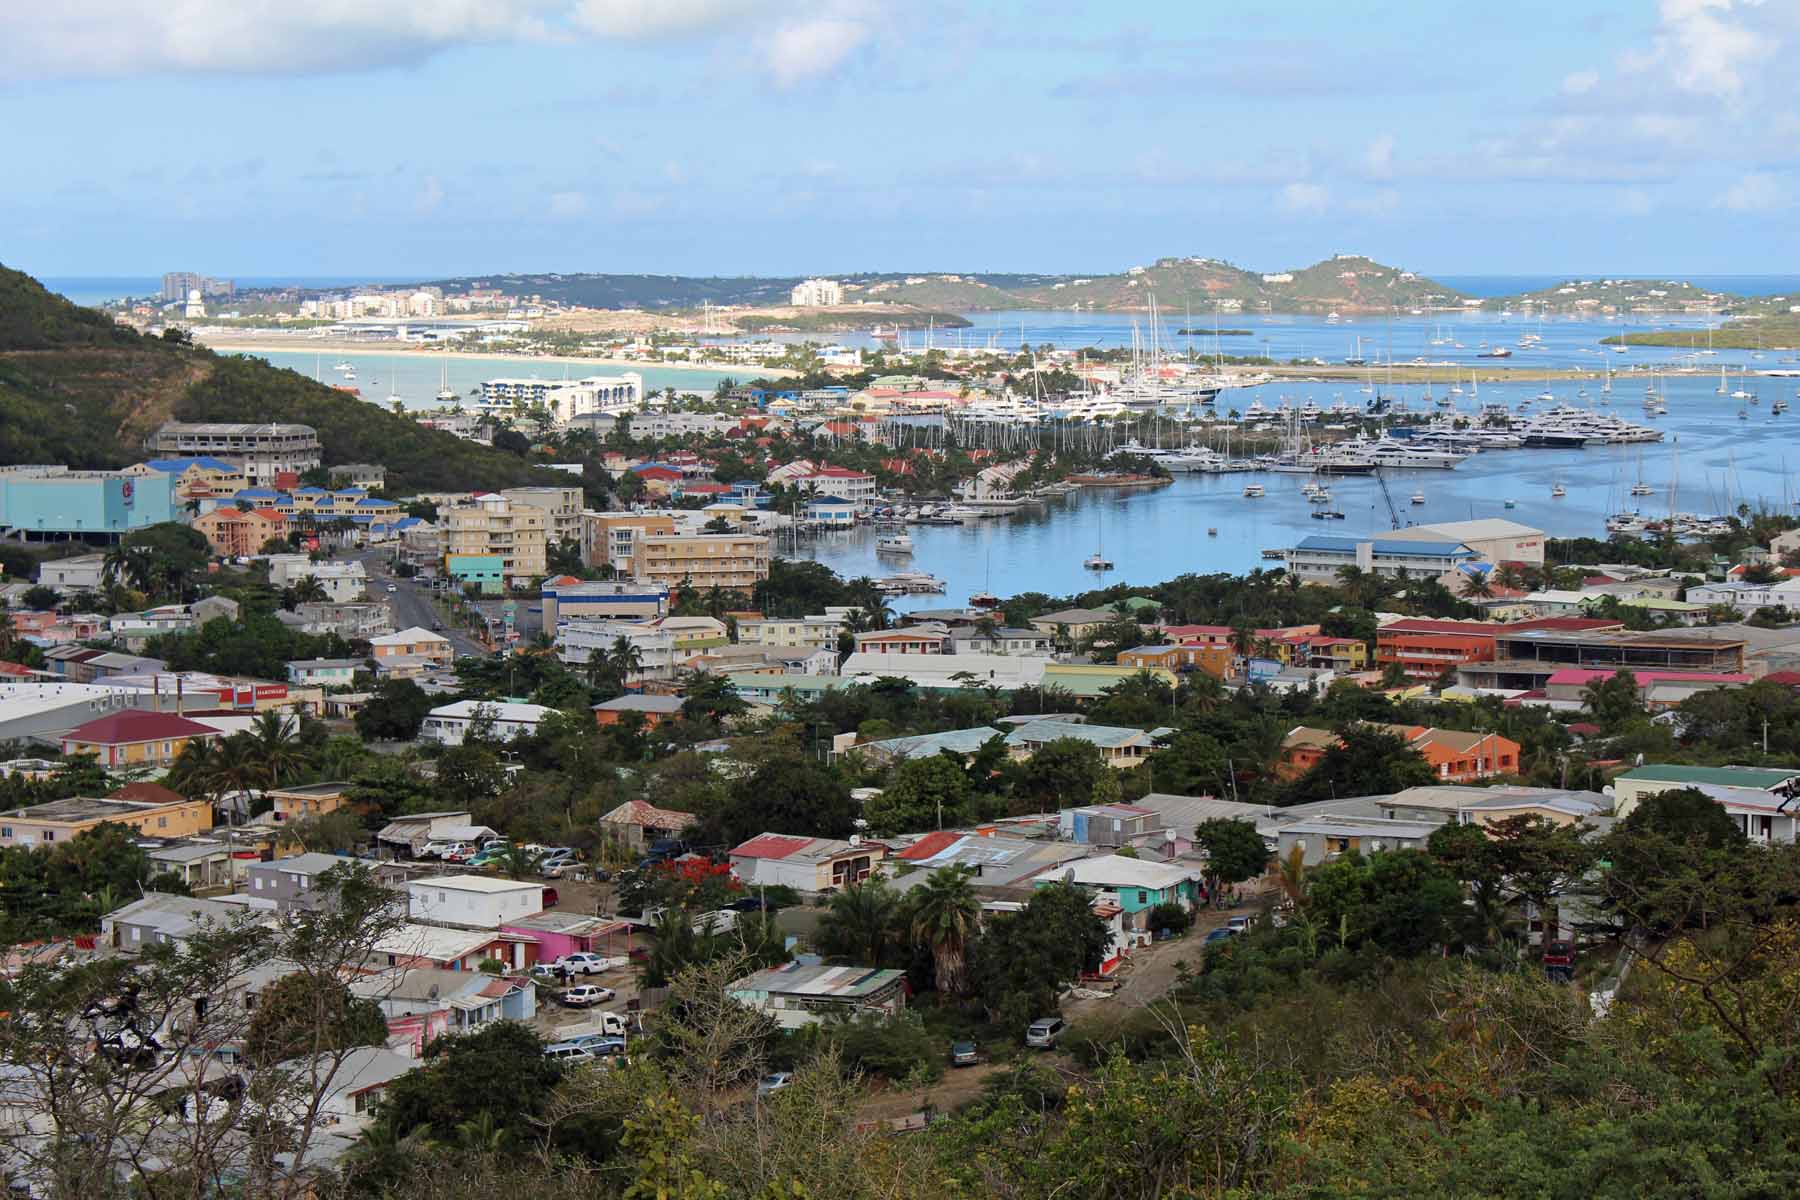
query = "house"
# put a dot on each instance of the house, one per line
(831, 512)
(915, 640)
(159, 917)
(469, 999)
(416, 945)
(325, 672)
(950, 672)
(1567, 808)
(357, 1079)
(1073, 624)
(556, 934)
(1455, 756)
(1133, 886)
(797, 994)
(1088, 681)
(653, 709)
(1002, 639)
(413, 643)
(1119, 746)
(472, 901)
(294, 882)
(807, 864)
(56, 821)
(929, 745)
(307, 800)
(504, 720)
(1107, 824)
(1326, 837)
(202, 865)
(638, 824)
(995, 860)
(1446, 802)
(136, 737)
(1634, 786)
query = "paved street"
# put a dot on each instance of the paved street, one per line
(411, 603)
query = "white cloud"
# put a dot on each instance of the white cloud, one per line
(1383, 202)
(1303, 199)
(810, 49)
(1708, 48)
(1635, 202)
(1580, 83)
(103, 38)
(1755, 193)
(1378, 159)
(566, 206)
(430, 197)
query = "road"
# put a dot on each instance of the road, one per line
(411, 603)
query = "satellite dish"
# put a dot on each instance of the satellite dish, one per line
(433, 993)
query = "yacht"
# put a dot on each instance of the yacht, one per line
(1557, 492)
(342, 367)
(1390, 452)
(1343, 459)
(1253, 491)
(1097, 562)
(894, 543)
(1642, 489)
(1418, 497)
(1326, 514)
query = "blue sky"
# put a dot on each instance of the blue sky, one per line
(428, 137)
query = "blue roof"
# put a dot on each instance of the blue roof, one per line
(1325, 541)
(1399, 546)
(310, 489)
(829, 502)
(256, 494)
(175, 466)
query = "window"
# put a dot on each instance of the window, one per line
(1143, 896)
(257, 879)
(49, 835)
(162, 822)
(6, 831)
(136, 934)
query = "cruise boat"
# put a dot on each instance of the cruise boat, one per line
(894, 543)
(1253, 491)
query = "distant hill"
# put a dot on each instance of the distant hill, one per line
(1347, 283)
(1618, 295)
(77, 389)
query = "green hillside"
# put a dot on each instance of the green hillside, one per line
(1617, 295)
(75, 388)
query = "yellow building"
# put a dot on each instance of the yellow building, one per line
(733, 561)
(611, 538)
(59, 821)
(493, 527)
(311, 800)
(136, 737)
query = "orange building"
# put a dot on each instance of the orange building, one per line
(239, 533)
(653, 709)
(1456, 756)
(310, 800)
(136, 737)
(1214, 660)
(59, 821)
(1424, 647)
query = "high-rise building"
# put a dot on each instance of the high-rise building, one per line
(492, 542)
(177, 284)
(817, 293)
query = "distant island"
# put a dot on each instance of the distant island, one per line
(1746, 333)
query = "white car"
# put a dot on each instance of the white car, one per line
(581, 964)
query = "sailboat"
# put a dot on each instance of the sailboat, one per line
(1640, 488)
(1097, 561)
(445, 394)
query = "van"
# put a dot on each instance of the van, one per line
(1043, 1032)
(569, 1054)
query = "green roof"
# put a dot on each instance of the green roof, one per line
(1139, 603)
(1746, 777)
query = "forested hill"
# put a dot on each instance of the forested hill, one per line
(77, 389)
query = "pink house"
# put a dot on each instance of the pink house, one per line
(556, 934)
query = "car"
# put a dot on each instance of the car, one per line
(569, 1054)
(600, 1045)
(768, 1085)
(1219, 935)
(962, 1054)
(393, 587)
(545, 973)
(585, 995)
(1042, 1033)
(1238, 924)
(1559, 953)
(551, 897)
(436, 848)
(456, 852)
(581, 963)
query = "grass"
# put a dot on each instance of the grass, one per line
(1748, 333)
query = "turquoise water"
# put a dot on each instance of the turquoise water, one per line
(1713, 460)
(416, 378)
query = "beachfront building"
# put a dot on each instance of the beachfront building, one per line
(568, 400)
(264, 451)
(817, 293)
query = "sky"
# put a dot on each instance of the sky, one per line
(429, 138)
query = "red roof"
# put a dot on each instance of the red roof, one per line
(842, 473)
(706, 489)
(1785, 678)
(148, 793)
(137, 725)
(1185, 631)
(930, 844)
(1586, 675)
(771, 845)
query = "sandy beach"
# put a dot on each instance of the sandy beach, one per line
(260, 342)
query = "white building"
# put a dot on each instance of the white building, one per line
(1494, 539)
(450, 725)
(576, 642)
(567, 399)
(1749, 598)
(472, 901)
(817, 293)
(83, 573)
(344, 582)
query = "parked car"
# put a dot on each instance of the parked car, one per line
(962, 1054)
(1219, 935)
(581, 964)
(1559, 953)
(551, 897)
(1238, 924)
(436, 848)
(768, 1085)
(451, 851)
(1043, 1032)
(585, 995)
(569, 1054)
(545, 973)
(600, 1045)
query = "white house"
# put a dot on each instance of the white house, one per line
(505, 720)
(472, 901)
(343, 582)
(324, 672)
(357, 1081)
(83, 573)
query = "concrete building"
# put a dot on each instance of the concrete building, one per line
(561, 507)
(58, 821)
(293, 882)
(568, 599)
(1319, 558)
(1493, 539)
(83, 573)
(1634, 786)
(233, 532)
(817, 632)
(611, 538)
(343, 582)
(567, 399)
(450, 724)
(493, 542)
(576, 642)
(160, 918)
(325, 672)
(55, 501)
(136, 737)
(1322, 838)
(352, 622)
(728, 561)
(413, 643)
(795, 995)
(1526, 658)
(264, 451)
(472, 901)
(817, 293)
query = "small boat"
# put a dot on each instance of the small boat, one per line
(1253, 491)
(1418, 497)
(1326, 514)
(1212, 531)
(1512, 504)
(1276, 555)
(342, 367)
(897, 543)
(1097, 562)
(984, 600)
(1642, 489)
(1557, 492)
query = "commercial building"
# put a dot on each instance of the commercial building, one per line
(1425, 647)
(703, 561)
(795, 995)
(566, 599)
(567, 399)
(58, 821)
(451, 724)
(197, 478)
(1493, 539)
(1526, 658)
(55, 501)
(853, 487)
(1319, 558)
(492, 542)
(817, 293)
(264, 451)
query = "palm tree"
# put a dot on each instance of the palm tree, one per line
(943, 914)
(239, 769)
(626, 657)
(1508, 575)
(516, 862)
(1291, 875)
(308, 590)
(1478, 586)
(860, 925)
(278, 743)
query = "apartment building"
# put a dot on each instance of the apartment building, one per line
(729, 561)
(611, 538)
(561, 506)
(265, 451)
(817, 293)
(491, 542)
(576, 642)
(239, 533)
(60, 821)
(819, 631)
